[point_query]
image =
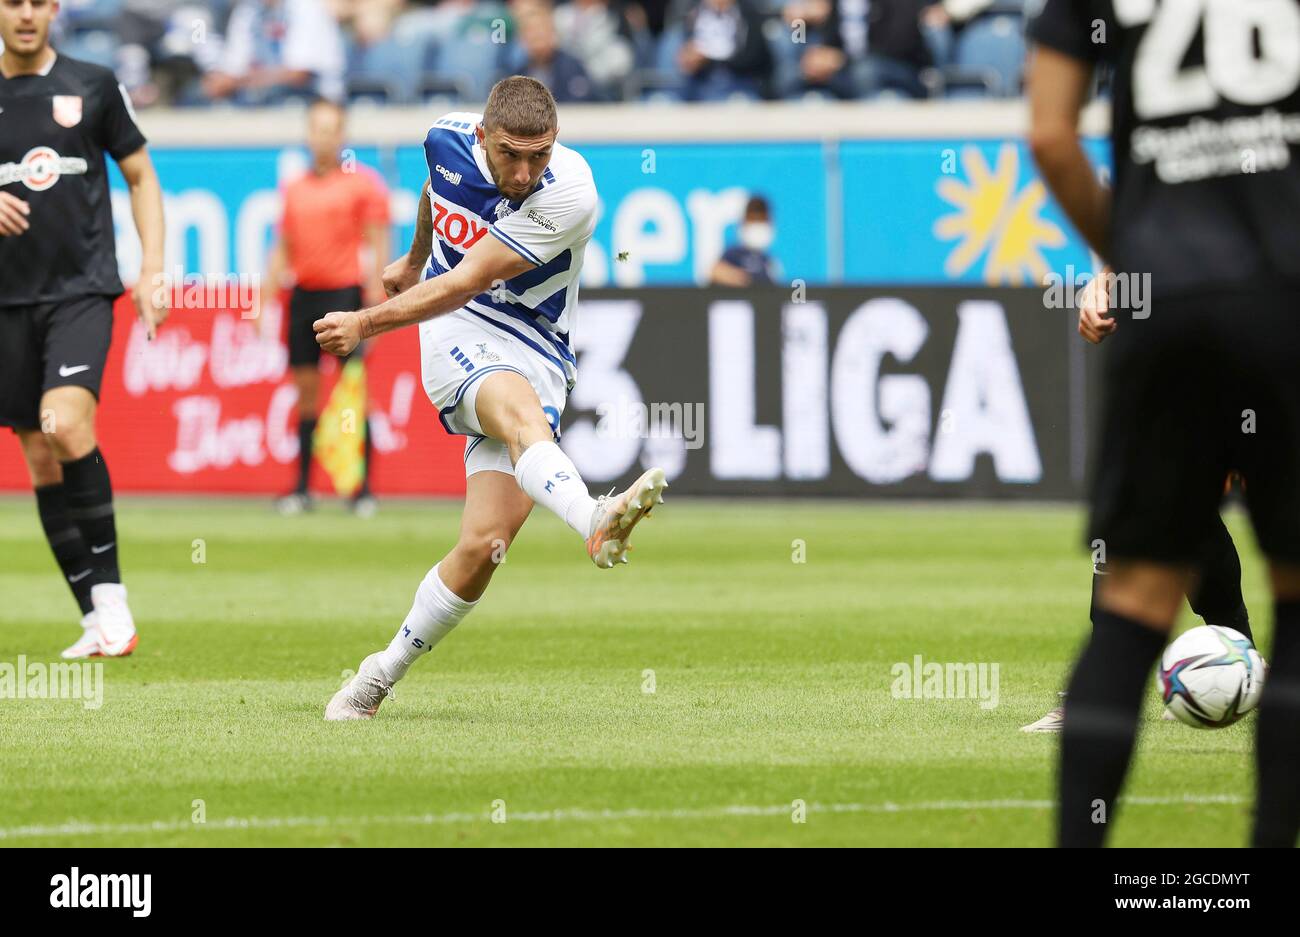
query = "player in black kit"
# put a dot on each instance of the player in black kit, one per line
(58, 281)
(1205, 208)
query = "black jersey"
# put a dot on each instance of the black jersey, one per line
(54, 131)
(1206, 134)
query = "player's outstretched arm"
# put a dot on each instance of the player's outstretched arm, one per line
(150, 294)
(484, 266)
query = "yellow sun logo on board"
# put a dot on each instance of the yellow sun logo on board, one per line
(994, 219)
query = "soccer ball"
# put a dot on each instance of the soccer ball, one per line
(1211, 676)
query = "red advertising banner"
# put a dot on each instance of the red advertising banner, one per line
(208, 406)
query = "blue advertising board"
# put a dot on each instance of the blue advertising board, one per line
(929, 212)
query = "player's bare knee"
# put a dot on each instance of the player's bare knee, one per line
(488, 547)
(70, 436)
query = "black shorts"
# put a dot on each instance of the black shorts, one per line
(305, 307)
(1204, 385)
(50, 345)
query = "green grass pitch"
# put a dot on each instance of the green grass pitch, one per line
(771, 685)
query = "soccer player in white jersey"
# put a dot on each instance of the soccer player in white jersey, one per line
(492, 280)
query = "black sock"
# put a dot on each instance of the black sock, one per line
(65, 541)
(305, 429)
(1217, 597)
(1277, 737)
(1102, 706)
(89, 496)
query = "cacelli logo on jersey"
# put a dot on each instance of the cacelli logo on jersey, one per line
(452, 177)
(40, 168)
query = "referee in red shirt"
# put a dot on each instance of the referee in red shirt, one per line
(330, 213)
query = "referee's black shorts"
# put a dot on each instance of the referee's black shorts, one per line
(51, 345)
(1205, 384)
(305, 307)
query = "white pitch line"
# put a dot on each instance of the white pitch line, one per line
(575, 814)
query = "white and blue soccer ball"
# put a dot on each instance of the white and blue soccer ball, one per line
(1211, 676)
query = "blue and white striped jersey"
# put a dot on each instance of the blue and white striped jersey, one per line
(550, 228)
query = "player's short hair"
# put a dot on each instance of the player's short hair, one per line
(520, 106)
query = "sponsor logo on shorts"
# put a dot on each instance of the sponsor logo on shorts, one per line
(461, 359)
(485, 355)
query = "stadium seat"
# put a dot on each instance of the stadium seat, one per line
(389, 70)
(470, 63)
(97, 46)
(988, 56)
(662, 82)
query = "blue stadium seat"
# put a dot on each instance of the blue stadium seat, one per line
(662, 81)
(97, 46)
(988, 53)
(470, 63)
(388, 70)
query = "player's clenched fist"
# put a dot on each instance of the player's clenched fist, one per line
(339, 332)
(400, 276)
(13, 215)
(1095, 322)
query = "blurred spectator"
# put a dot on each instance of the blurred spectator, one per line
(553, 67)
(749, 263)
(822, 53)
(589, 31)
(897, 52)
(166, 47)
(953, 13)
(276, 49)
(725, 54)
(367, 20)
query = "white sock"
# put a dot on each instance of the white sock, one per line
(549, 477)
(434, 613)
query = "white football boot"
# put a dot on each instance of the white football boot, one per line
(361, 696)
(88, 644)
(611, 525)
(114, 626)
(1052, 722)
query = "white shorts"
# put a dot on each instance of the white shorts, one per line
(457, 351)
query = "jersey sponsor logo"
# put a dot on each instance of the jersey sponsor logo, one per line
(67, 110)
(452, 177)
(457, 229)
(541, 221)
(65, 371)
(40, 168)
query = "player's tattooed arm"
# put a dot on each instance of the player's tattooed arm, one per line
(404, 272)
(483, 266)
(1058, 87)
